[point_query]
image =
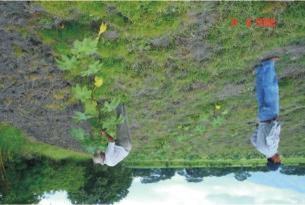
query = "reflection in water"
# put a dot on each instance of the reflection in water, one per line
(44, 182)
(26, 181)
(57, 197)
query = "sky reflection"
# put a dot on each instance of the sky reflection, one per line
(260, 188)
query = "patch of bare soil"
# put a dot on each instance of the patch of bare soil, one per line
(33, 90)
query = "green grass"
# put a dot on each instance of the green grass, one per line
(244, 45)
(175, 125)
(14, 141)
(209, 163)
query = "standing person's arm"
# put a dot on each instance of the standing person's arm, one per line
(273, 138)
(109, 137)
(254, 137)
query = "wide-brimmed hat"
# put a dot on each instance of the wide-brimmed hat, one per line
(98, 158)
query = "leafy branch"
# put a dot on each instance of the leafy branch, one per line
(82, 65)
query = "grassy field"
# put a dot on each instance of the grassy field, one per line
(182, 111)
(13, 141)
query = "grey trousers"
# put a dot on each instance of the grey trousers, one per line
(122, 131)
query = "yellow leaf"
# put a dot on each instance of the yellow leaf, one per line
(98, 81)
(103, 28)
(217, 107)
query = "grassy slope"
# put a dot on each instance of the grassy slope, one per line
(178, 126)
(12, 141)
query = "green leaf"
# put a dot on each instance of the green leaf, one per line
(218, 121)
(110, 124)
(90, 108)
(225, 112)
(79, 116)
(93, 69)
(200, 129)
(67, 63)
(81, 93)
(90, 149)
(84, 48)
(186, 128)
(203, 117)
(182, 138)
(109, 107)
(78, 133)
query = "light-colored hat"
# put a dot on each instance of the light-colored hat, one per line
(98, 159)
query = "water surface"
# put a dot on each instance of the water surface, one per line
(67, 182)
